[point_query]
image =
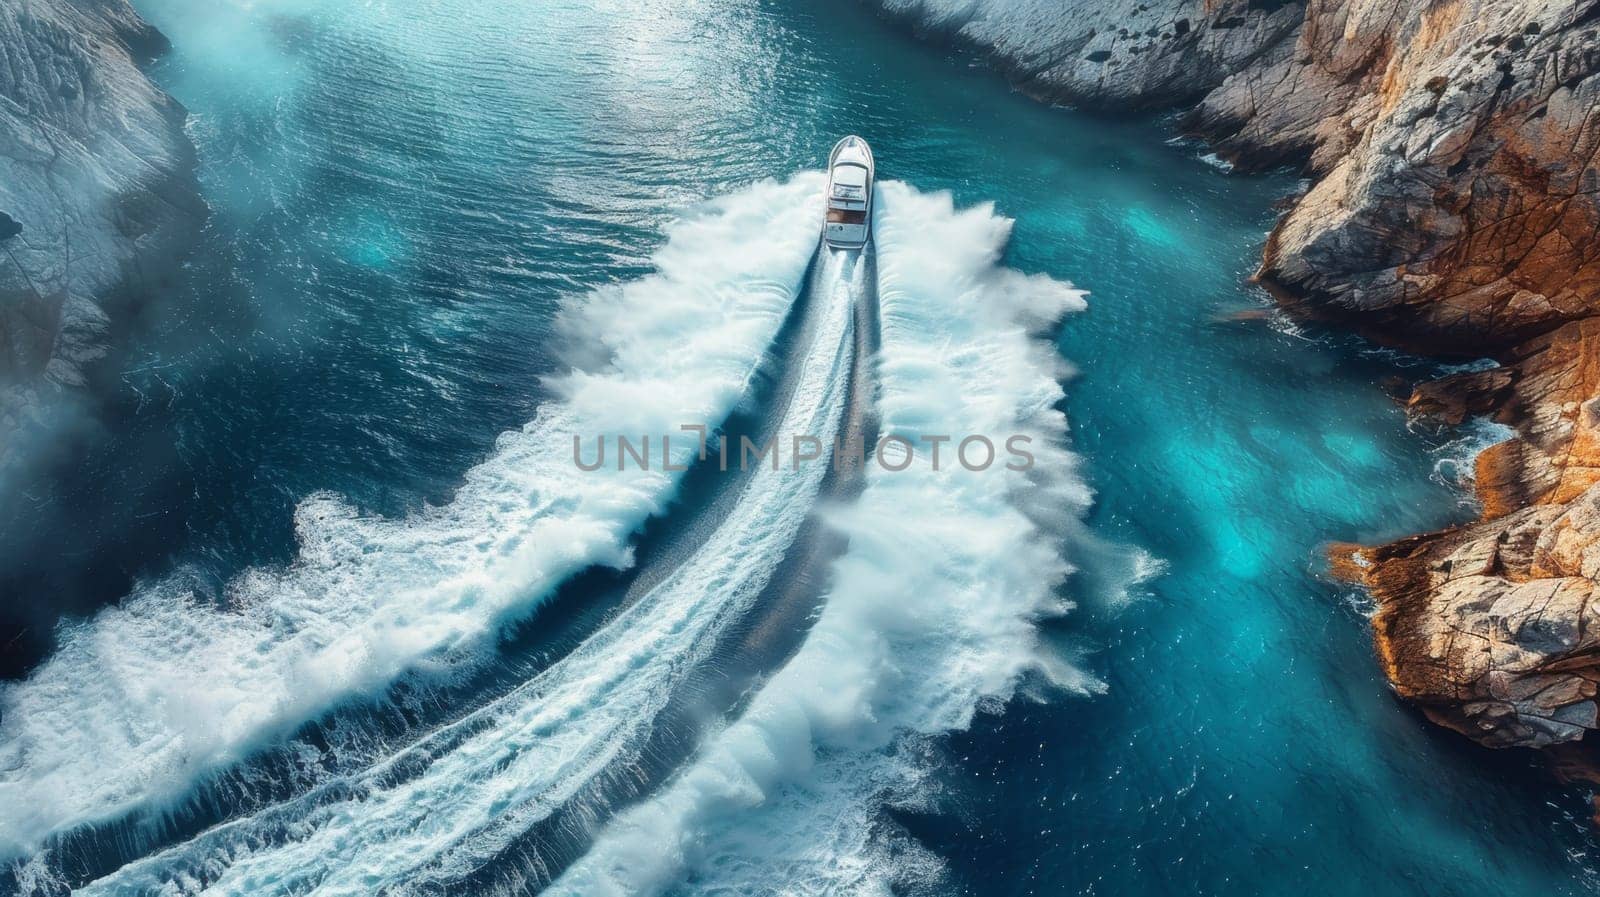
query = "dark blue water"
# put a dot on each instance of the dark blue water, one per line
(404, 194)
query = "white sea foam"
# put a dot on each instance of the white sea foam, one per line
(144, 698)
(1455, 462)
(533, 749)
(932, 608)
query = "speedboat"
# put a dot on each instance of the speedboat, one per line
(849, 194)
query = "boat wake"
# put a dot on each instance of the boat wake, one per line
(757, 689)
(147, 698)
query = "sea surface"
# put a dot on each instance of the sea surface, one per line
(340, 616)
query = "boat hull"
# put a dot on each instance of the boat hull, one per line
(851, 176)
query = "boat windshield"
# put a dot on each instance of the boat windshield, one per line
(847, 216)
(850, 174)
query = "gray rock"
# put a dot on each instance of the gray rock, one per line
(96, 174)
(1111, 55)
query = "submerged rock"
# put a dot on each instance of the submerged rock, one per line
(1454, 208)
(97, 184)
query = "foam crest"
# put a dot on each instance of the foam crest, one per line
(146, 697)
(932, 608)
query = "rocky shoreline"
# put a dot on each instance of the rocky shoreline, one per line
(1454, 154)
(97, 192)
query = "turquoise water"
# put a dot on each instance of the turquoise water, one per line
(403, 195)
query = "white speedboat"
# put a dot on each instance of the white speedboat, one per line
(850, 173)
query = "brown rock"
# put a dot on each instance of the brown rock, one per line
(1456, 208)
(1451, 400)
(1490, 627)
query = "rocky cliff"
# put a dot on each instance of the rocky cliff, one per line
(97, 195)
(1455, 200)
